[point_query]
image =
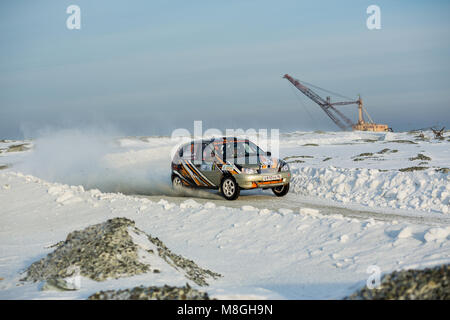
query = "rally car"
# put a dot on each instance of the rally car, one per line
(228, 164)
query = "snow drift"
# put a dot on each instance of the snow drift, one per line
(427, 190)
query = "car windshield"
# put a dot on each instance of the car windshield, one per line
(231, 150)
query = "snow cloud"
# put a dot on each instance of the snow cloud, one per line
(94, 158)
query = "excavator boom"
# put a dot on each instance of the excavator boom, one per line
(338, 117)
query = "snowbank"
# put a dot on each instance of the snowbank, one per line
(426, 190)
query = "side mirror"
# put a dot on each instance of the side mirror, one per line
(269, 153)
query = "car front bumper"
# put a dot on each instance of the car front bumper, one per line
(252, 181)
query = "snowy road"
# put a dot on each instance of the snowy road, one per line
(266, 200)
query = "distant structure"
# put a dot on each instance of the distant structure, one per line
(438, 134)
(338, 117)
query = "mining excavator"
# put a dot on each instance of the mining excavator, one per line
(337, 116)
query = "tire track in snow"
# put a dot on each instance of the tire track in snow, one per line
(265, 200)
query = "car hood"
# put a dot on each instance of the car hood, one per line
(263, 162)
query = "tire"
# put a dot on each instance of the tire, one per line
(281, 191)
(177, 184)
(229, 188)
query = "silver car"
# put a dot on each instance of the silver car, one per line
(228, 164)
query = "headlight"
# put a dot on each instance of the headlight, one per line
(248, 171)
(285, 167)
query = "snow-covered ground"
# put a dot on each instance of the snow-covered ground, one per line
(369, 169)
(285, 249)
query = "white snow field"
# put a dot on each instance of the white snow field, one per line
(340, 217)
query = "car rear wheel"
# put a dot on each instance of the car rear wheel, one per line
(281, 191)
(177, 184)
(229, 188)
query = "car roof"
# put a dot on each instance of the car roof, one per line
(215, 139)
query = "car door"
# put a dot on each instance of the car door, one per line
(208, 167)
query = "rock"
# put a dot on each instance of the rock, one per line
(420, 157)
(443, 170)
(401, 141)
(426, 284)
(310, 145)
(412, 169)
(366, 154)
(151, 293)
(107, 251)
(18, 147)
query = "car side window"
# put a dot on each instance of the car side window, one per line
(185, 152)
(191, 151)
(208, 152)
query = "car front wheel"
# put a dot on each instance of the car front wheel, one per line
(229, 188)
(281, 191)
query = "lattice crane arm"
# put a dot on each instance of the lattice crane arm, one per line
(338, 118)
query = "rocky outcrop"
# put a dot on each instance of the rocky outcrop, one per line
(427, 284)
(152, 293)
(110, 250)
